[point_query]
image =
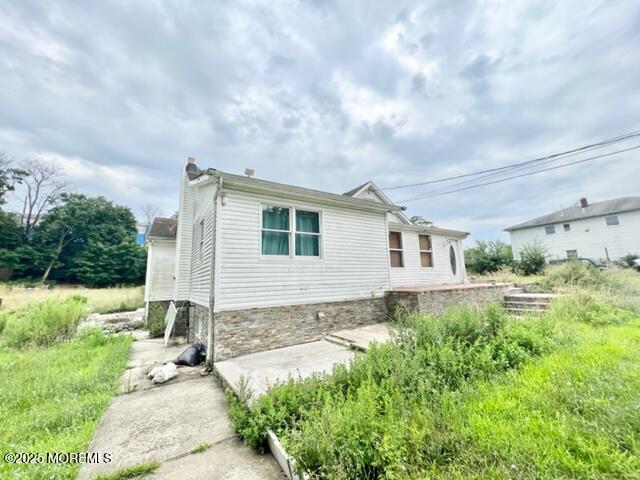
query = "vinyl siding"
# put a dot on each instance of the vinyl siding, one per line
(353, 261)
(184, 240)
(414, 274)
(160, 271)
(589, 237)
(201, 261)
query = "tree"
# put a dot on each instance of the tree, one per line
(532, 259)
(488, 257)
(149, 212)
(419, 220)
(9, 177)
(43, 187)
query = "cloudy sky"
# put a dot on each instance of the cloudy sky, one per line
(327, 95)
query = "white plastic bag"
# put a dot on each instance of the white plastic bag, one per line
(164, 373)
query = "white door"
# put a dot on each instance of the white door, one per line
(454, 261)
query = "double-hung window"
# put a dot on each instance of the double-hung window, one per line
(426, 250)
(395, 249)
(612, 220)
(279, 232)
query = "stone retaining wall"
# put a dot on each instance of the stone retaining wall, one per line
(436, 300)
(239, 332)
(198, 324)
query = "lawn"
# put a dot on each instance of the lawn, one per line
(100, 300)
(476, 394)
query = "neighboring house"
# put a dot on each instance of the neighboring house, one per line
(603, 230)
(263, 265)
(141, 231)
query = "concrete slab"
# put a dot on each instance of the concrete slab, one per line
(167, 422)
(361, 337)
(264, 369)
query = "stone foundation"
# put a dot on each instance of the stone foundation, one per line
(198, 324)
(239, 332)
(157, 310)
(434, 300)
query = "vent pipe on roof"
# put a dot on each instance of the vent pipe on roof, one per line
(584, 203)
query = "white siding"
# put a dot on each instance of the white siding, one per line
(183, 240)
(414, 274)
(354, 261)
(589, 237)
(161, 260)
(202, 252)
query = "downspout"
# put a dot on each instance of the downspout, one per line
(213, 282)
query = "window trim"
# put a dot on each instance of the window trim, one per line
(566, 227)
(401, 249)
(572, 257)
(421, 251)
(547, 229)
(292, 233)
(607, 217)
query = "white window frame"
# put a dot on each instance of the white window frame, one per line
(421, 251)
(401, 249)
(606, 220)
(550, 229)
(292, 233)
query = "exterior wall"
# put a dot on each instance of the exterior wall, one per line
(434, 302)
(202, 252)
(252, 330)
(184, 239)
(198, 324)
(414, 274)
(161, 259)
(589, 236)
(353, 263)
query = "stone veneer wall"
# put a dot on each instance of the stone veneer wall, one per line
(239, 332)
(435, 301)
(198, 324)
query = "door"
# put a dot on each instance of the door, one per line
(454, 261)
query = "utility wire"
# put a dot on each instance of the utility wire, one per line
(534, 161)
(437, 194)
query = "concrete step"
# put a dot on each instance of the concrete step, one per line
(530, 297)
(531, 305)
(525, 311)
(339, 341)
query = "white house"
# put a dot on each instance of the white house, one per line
(604, 230)
(262, 265)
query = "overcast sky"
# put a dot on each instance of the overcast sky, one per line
(326, 95)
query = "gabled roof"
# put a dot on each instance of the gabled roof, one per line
(351, 193)
(372, 187)
(163, 228)
(597, 209)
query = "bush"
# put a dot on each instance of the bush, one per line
(44, 323)
(532, 259)
(488, 257)
(588, 309)
(573, 274)
(629, 259)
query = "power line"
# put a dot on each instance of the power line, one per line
(515, 166)
(436, 194)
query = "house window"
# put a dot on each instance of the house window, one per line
(572, 254)
(276, 230)
(612, 220)
(426, 251)
(395, 249)
(307, 233)
(201, 246)
(452, 260)
(566, 227)
(550, 230)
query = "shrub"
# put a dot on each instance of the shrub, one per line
(532, 259)
(586, 308)
(573, 274)
(488, 257)
(629, 259)
(44, 323)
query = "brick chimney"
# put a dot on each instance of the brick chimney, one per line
(584, 203)
(192, 168)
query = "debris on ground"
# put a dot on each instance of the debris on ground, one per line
(193, 355)
(115, 322)
(163, 373)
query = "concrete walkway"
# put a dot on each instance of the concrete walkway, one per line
(166, 422)
(361, 337)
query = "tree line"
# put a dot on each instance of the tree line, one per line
(63, 236)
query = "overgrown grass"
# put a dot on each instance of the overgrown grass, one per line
(53, 398)
(136, 471)
(439, 401)
(99, 300)
(43, 323)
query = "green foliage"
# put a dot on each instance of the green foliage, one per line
(586, 308)
(488, 257)
(155, 319)
(135, 471)
(44, 323)
(629, 259)
(572, 274)
(9, 177)
(53, 397)
(532, 259)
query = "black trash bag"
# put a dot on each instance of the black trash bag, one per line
(193, 355)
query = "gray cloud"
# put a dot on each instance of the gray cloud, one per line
(326, 95)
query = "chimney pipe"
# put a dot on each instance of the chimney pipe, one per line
(584, 203)
(191, 160)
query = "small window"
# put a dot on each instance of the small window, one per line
(572, 254)
(201, 246)
(452, 260)
(550, 230)
(566, 227)
(307, 233)
(395, 249)
(275, 230)
(426, 251)
(612, 220)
